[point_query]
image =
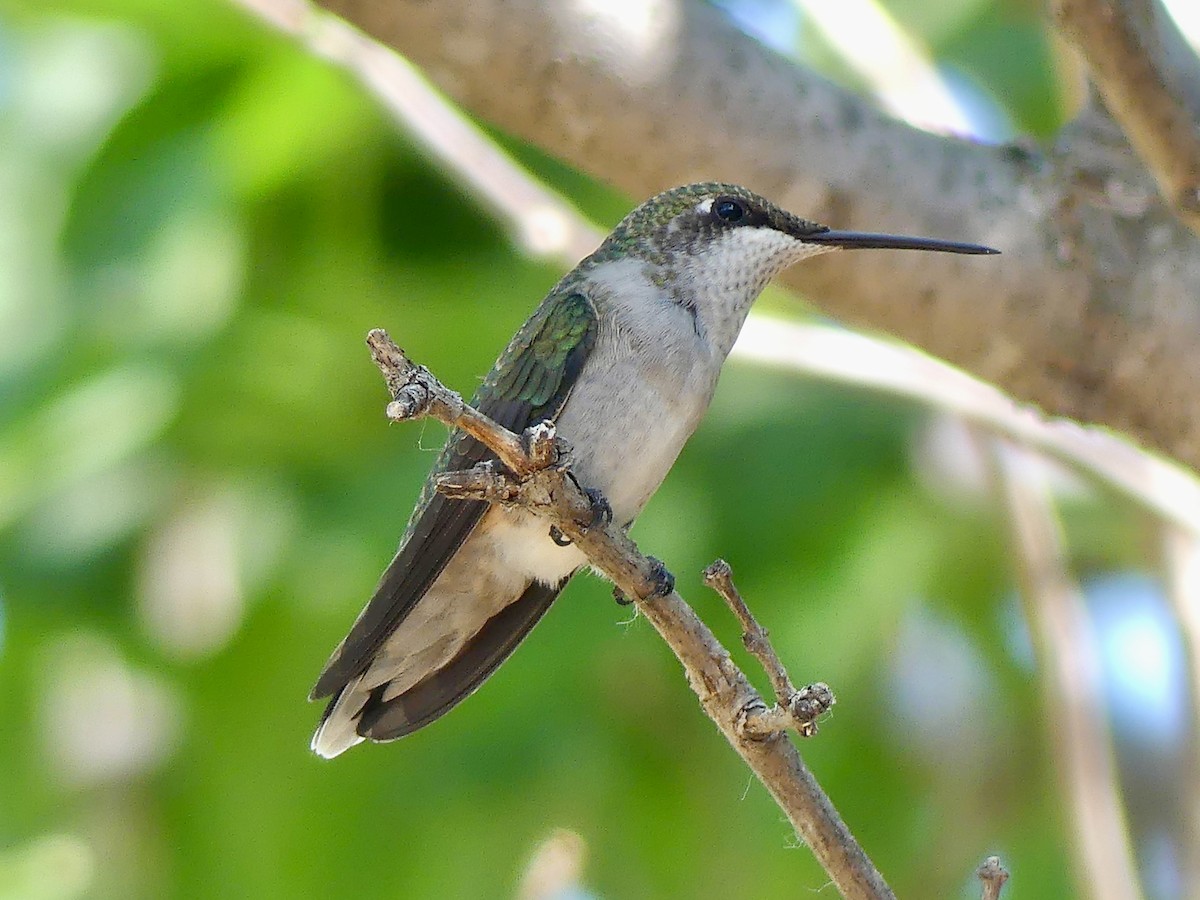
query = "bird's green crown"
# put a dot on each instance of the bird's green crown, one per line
(680, 219)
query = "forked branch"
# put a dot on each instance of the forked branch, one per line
(537, 479)
(798, 709)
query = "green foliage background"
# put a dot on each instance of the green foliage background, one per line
(198, 224)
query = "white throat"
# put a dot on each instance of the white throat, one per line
(725, 280)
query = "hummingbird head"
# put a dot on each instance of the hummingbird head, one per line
(715, 246)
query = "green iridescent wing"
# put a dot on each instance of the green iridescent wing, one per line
(529, 383)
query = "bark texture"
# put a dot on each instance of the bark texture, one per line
(1092, 313)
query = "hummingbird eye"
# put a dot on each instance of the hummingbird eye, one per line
(728, 210)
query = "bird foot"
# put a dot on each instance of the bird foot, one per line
(601, 512)
(601, 509)
(664, 581)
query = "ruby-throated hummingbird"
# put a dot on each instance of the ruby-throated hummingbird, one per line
(623, 354)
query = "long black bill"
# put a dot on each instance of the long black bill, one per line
(862, 240)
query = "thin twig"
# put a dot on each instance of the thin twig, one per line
(719, 577)
(725, 693)
(794, 709)
(1057, 616)
(415, 393)
(993, 875)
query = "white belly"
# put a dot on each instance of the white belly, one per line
(628, 418)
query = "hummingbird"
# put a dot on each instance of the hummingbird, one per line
(623, 355)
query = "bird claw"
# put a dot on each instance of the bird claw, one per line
(601, 509)
(601, 514)
(664, 581)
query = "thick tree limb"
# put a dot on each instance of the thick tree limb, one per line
(1121, 42)
(725, 694)
(1110, 335)
(547, 226)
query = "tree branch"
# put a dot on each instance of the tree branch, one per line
(993, 875)
(545, 225)
(719, 577)
(1109, 336)
(1121, 42)
(725, 694)
(794, 709)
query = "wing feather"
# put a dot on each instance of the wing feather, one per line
(529, 383)
(440, 691)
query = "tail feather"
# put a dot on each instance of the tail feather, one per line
(337, 733)
(358, 712)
